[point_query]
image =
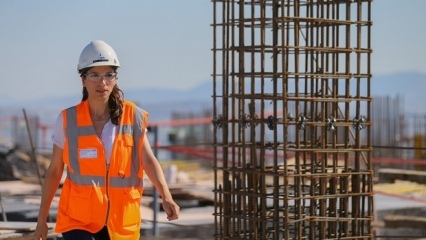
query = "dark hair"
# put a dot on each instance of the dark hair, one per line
(115, 101)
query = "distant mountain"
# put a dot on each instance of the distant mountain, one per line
(160, 102)
(201, 92)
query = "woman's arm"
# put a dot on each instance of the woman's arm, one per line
(50, 186)
(155, 173)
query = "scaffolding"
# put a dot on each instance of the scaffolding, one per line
(292, 106)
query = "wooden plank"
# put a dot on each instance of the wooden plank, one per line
(26, 236)
(22, 226)
(22, 230)
(389, 175)
(401, 221)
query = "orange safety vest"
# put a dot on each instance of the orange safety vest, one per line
(95, 195)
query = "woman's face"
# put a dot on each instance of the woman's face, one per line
(99, 82)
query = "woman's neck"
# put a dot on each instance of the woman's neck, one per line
(99, 110)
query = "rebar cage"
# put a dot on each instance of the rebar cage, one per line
(291, 103)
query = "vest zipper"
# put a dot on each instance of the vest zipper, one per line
(107, 195)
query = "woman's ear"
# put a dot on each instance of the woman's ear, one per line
(83, 83)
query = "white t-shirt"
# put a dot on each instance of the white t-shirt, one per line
(107, 136)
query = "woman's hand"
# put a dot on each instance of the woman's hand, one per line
(41, 231)
(171, 209)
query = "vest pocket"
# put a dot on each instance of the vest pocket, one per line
(79, 205)
(131, 211)
(123, 155)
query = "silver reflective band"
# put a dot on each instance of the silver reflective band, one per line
(99, 181)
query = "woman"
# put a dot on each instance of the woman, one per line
(102, 142)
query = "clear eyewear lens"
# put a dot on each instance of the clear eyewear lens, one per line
(96, 77)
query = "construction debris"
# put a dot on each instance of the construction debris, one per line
(16, 163)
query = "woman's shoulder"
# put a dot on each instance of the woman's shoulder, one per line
(137, 111)
(74, 106)
(130, 104)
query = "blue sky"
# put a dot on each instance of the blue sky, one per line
(161, 43)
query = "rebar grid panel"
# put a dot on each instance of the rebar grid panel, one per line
(291, 102)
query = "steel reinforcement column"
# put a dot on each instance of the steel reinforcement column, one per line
(292, 103)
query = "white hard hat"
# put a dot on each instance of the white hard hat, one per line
(97, 53)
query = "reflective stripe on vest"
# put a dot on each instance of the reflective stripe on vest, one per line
(73, 132)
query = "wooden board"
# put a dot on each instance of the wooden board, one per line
(25, 236)
(22, 226)
(400, 221)
(22, 230)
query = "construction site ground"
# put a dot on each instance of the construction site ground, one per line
(396, 202)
